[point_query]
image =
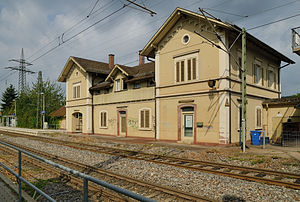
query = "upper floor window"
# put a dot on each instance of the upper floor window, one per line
(103, 119)
(186, 68)
(271, 79)
(76, 90)
(258, 117)
(118, 85)
(258, 73)
(145, 119)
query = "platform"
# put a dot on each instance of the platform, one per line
(8, 190)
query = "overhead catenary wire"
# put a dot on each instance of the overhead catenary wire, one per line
(276, 21)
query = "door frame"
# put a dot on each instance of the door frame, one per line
(179, 121)
(118, 121)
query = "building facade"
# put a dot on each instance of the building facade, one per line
(191, 94)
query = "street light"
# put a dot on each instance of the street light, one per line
(43, 112)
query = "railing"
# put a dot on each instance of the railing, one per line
(85, 177)
(290, 139)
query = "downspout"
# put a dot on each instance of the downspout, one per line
(229, 99)
(155, 127)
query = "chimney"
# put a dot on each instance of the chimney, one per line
(141, 58)
(111, 60)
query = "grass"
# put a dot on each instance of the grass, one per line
(257, 161)
(40, 183)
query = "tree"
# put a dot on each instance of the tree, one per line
(30, 102)
(8, 98)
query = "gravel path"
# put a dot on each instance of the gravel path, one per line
(204, 184)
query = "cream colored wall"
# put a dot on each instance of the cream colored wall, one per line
(254, 53)
(172, 46)
(132, 111)
(207, 112)
(275, 116)
(251, 110)
(69, 114)
(71, 79)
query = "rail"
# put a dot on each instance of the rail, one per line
(86, 178)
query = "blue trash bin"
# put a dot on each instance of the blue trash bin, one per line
(255, 137)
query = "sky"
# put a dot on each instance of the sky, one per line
(41, 25)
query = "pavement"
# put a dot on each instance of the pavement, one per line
(9, 191)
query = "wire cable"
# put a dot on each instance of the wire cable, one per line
(283, 19)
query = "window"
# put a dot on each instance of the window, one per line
(258, 73)
(103, 119)
(185, 39)
(137, 85)
(145, 119)
(150, 83)
(124, 85)
(258, 117)
(76, 90)
(186, 68)
(118, 85)
(271, 79)
(106, 91)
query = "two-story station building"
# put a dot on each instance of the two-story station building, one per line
(190, 94)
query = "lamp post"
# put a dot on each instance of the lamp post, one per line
(43, 112)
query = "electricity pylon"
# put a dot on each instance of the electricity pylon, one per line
(22, 71)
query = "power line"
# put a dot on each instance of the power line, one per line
(283, 19)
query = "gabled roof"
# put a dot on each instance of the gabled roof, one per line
(135, 73)
(85, 65)
(60, 112)
(178, 13)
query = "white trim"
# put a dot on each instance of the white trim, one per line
(224, 84)
(255, 118)
(150, 118)
(182, 39)
(103, 127)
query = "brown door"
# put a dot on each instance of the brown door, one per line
(122, 123)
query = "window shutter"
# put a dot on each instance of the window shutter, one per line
(74, 91)
(177, 71)
(189, 69)
(104, 119)
(262, 76)
(258, 113)
(78, 91)
(254, 73)
(274, 80)
(182, 70)
(194, 68)
(142, 119)
(147, 119)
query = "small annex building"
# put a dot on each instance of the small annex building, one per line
(190, 94)
(282, 119)
(60, 115)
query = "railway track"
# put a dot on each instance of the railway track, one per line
(272, 177)
(94, 190)
(147, 189)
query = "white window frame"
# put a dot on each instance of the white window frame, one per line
(185, 58)
(118, 85)
(100, 119)
(261, 116)
(150, 119)
(258, 65)
(74, 92)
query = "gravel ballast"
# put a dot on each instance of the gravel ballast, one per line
(212, 186)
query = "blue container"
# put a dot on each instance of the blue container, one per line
(255, 137)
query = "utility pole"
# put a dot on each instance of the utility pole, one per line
(39, 89)
(244, 102)
(43, 112)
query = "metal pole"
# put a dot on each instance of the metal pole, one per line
(19, 180)
(43, 110)
(244, 88)
(85, 190)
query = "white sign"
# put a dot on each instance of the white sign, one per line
(188, 121)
